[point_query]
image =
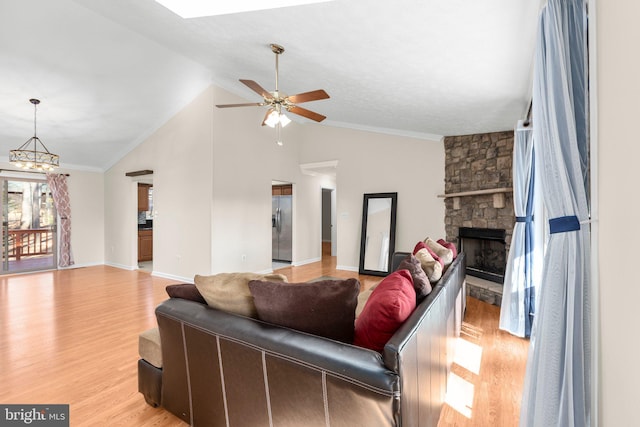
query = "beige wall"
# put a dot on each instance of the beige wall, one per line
(179, 154)
(212, 177)
(246, 160)
(377, 163)
(86, 191)
(618, 94)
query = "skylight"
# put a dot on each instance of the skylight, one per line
(200, 8)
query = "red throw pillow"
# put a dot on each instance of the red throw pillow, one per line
(419, 245)
(389, 305)
(450, 246)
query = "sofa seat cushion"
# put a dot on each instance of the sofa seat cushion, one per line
(149, 347)
(325, 308)
(230, 291)
(389, 305)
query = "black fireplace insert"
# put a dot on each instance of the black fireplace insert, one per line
(486, 252)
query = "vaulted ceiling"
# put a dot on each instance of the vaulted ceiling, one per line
(110, 72)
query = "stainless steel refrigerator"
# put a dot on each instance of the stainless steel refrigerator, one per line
(281, 226)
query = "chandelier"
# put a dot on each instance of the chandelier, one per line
(28, 156)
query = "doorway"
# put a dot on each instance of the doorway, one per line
(29, 237)
(328, 221)
(145, 225)
(281, 224)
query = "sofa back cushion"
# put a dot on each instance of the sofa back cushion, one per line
(389, 305)
(325, 308)
(230, 291)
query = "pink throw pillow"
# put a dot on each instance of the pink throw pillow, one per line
(449, 245)
(418, 246)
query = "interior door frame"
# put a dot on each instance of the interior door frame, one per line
(134, 219)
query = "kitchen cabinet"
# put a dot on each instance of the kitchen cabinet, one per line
(143, 197)
(145, 245)
(282, 190)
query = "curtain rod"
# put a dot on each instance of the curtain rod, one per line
(527, 120)
(23, 171)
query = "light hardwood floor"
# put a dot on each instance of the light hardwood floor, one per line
(71, 336)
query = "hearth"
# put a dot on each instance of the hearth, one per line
(486, 252)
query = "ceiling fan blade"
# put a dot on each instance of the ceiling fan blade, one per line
(266, 116)
(314, 95)
(249, 104)
(306, 113)
(257, 88)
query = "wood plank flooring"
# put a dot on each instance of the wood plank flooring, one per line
(71, 336)
(486, 380)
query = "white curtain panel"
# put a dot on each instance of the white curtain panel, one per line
(523, 264)
(59, 191)
(558, 379)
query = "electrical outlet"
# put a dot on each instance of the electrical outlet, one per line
(244, 257)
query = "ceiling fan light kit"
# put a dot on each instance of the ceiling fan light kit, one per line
(275, 117)
(29, 155)
(278, 102)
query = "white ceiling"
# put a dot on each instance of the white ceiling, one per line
(110, 72)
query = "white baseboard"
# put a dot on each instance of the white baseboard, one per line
(153, 273)
(90, 264)
(306, 261)
(121, 266)
(347, 268)
(172, 277)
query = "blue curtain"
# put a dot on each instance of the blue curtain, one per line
(518, 296)
(557, 389)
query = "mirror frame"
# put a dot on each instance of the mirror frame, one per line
(392, 231)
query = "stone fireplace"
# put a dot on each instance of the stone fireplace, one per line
(479, 197)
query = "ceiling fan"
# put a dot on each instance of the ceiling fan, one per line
(278, 101)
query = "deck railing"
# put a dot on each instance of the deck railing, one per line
(36, 241)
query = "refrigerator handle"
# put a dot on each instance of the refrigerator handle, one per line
(278, 220)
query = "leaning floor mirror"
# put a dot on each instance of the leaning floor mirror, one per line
(378, 237)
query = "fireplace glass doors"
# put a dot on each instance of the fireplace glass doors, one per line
(486, 252)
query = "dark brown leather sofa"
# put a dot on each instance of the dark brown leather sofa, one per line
(221, 369)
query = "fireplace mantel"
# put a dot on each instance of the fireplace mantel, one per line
(498, 196)
(477, 192)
